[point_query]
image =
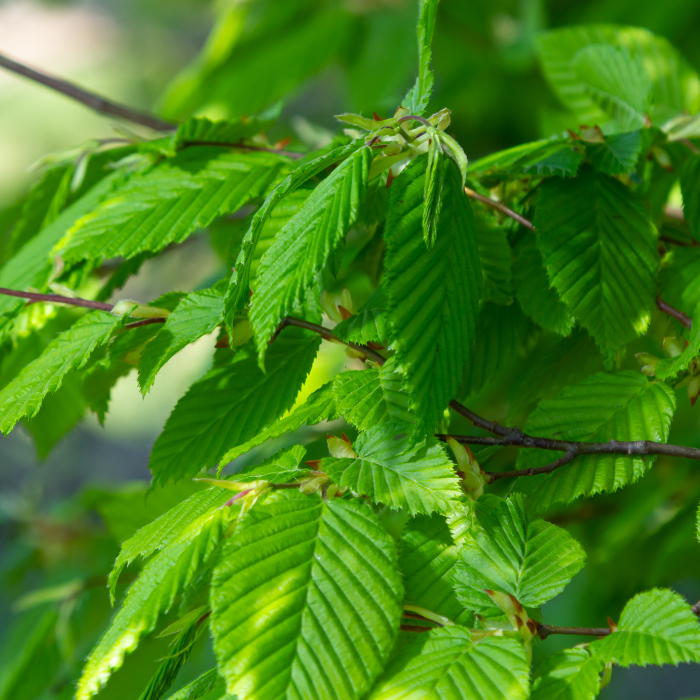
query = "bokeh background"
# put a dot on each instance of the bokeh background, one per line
(62, 516)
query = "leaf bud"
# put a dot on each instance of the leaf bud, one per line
(339, 448)
(694, 389)
(674, 346)
(241, 333)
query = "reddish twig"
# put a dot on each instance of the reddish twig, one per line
(674, 313)
(500, 207)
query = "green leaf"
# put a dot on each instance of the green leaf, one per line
(620, 406)
(599, 248)
(656, 627)
(680, 278)
(238, 294)
(281, 468)
(303, 247)
(618, 154)
(361, 398)
(231, 404)
(23, 396)
(306, 601)
(318, 407)
(570, 674)
(535, 295)
(429, 552)
(432, 195)
(163, 530)
(496, 261)
(168, 574)
(616, 82)
(196, 130)
(198, 314)
(668, 368)
(369, 324)
(418, 96)
(532, 560)
(389, 469)
(169, 202)
(446, 664)
(501, 334)
(690, 187)
(433, 295)
(199, 687)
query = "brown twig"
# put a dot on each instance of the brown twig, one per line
(57, 299)
(545, 631)
(500, 207)
(674, 313)
(99, 104)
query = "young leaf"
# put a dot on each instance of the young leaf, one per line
(303, 246)
(535, 295)
(446, 664)
(618, 154)
(154, 592)
(599, 248)
(668, 368)
(429, 552)
(281, 468)
(196, 130)
(532, 560)
(199, 687)
(656, 627)
(620, 406)
(318, 407)
(196, 315)
(23, 396)
(230, 405)
(433, 294)
(306, 600)
(369, 324)
(418, 96)
(690, 187)
(570, 674)
(169, 202)
(389, 469)
(238, 292)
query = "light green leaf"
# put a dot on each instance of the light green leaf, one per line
(432, 195)
(433, 295)
(680, 278)
(169, 202)
(282, 467)
(198, 314)
(196, 130)
(599, 248)
(237, 295)
(23, 396)
(306, 601)
(429, 552)
(620, 406)
(369, 324)
(396, 398)
(446, 664)
(164, 529)
(231, 404)
(532, 560)
(618, 155)
(389, 469)
(668, 368)
(535, 295)
(418, 96)
(168, 574)
(690, 187)
(318, 407)
(570, 674)
(199, 687)
(304, 245)
(656, 627)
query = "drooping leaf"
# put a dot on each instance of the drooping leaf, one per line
(303, 246)
(231, 404)
(369, 324)
(668, 368)
(199, 687)
(656, 627)
(23, 396)
(448, 665)
(570, 674)
(535, 295)
(167, 575)
(680, 278)
(306, 600)
(533, 560)
(389, 469)
(429, 552)
(618, 154)
(195, 316)
(433, 295)
(496, 261)
(418, 96)
(690, 187)
(318, 407)
(623, 406)
(169, 202)
(599, 248)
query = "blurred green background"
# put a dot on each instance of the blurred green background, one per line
(61, 519)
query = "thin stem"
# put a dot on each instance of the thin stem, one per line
(501, 207)
(674, 313)
(569, 456)
(545, 631)
(57, 299)
(415, 118)
(97, 103)
(146, 322)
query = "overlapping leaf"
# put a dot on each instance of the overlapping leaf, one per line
(571, 674)
(690, 187)
(668, 368)
(449, 665)
(618, 154)
(389, 469)
(619, 406)
(599, 248)
(199, 687)
(369, 324)
(433, 294)
(306, 600)
(496, 261)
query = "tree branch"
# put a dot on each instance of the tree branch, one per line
(545, 631)
(500, 206)
(57, 299)
(95, 102)
(674, 313)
